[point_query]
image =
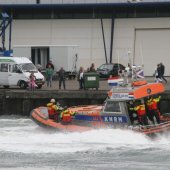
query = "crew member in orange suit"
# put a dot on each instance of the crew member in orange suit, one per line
(153, 110)
(53, 110)
(141, 112)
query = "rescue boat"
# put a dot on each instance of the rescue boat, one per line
(114, 113)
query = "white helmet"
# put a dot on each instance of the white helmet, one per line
(52, 100)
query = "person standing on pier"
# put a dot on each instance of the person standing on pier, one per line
(61, 75)
(32, 84)
(92, 68)
(157, 74)
(81, 78)
(49, 75)
(51, 64)
(162, 70)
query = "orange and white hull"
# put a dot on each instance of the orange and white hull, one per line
(42, 119)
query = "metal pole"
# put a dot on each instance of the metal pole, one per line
(111, 40)
(104, 40)
(3, 34)
(10, 31)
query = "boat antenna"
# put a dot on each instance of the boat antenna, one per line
(141, 54)
(142, 60)
(118, 57)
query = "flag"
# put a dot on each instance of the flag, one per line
(140, 74)
(114, 81)
(137, 72)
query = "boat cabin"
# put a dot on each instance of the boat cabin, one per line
(115, 112)
(117, 106)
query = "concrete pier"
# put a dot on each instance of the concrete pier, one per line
(22, 102)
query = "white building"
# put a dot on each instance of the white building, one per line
(132, 31)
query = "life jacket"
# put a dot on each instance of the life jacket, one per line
(141, 111)
(66, 116)
(51, 109)
(149, 105)
(154, 103)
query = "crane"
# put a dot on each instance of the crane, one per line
(5, 22)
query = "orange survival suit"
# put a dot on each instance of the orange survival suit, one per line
(153, 110)
(52, 111)
(141, 112)
(66, 115)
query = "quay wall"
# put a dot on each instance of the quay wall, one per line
(21, 102)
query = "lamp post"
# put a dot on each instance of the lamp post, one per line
(129, 57)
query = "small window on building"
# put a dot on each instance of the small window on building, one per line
(4, 67)
(112, 106)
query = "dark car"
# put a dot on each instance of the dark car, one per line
(105, 70)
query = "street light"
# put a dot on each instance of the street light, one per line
(129, 56)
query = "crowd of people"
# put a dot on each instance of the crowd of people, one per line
(61, 73)
(49, 73)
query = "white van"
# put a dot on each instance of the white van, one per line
(16, 71)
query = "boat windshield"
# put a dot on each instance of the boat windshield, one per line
(112, 106)
(28, 67)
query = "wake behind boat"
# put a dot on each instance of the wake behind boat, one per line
(114, 113)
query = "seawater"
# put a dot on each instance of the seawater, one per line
(24, 145)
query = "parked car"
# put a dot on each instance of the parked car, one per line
(105, 70)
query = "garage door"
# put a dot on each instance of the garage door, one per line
(152, 46)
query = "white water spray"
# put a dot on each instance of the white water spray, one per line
(22, 135)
